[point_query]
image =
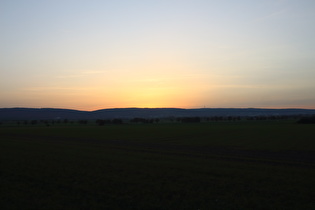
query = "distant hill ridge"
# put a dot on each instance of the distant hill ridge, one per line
(129, 113)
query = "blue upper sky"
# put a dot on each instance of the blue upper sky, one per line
(157, 53)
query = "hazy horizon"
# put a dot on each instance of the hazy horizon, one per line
(148, 108)
(90, 55)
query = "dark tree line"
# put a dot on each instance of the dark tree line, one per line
(307, 120)
(299, 119)
(143, 120)
(189, 119)
(105, 122)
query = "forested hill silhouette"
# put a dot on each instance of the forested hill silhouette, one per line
(128, 113)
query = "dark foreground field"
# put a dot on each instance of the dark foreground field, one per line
(241, 165)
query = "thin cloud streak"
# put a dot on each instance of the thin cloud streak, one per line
(80, 74)
(270, 16)
(56, 88)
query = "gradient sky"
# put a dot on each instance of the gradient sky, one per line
(93, 54)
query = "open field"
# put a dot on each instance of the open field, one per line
(223, 165)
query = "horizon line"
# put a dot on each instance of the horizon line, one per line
(274, 108)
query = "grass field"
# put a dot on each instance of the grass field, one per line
(223, 165)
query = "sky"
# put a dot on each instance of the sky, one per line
(96, 54)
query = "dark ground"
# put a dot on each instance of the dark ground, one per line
(162, 166)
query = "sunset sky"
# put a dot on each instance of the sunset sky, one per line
(94, 54)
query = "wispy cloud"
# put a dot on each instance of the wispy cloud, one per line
(55, 88)
(80, 74)
(69, 76)
(270, 16)
(91, 72)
